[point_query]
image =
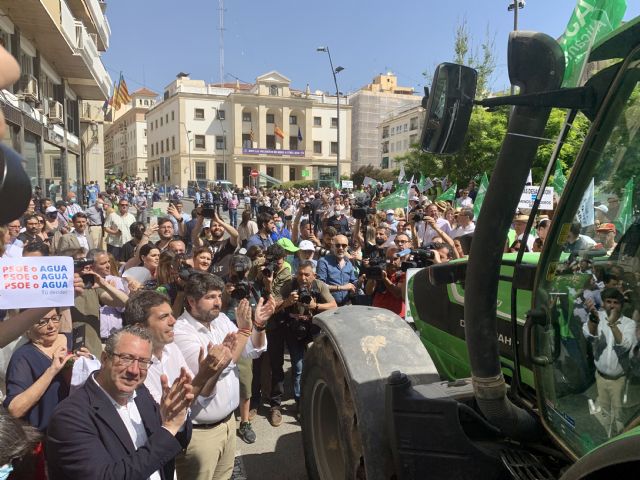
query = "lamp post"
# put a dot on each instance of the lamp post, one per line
(335, 82)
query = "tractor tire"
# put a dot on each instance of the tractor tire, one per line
(332, 444)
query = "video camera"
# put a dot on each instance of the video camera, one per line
(377, 265)
(420, 258)
(79, 265)
(240, 266)
(362, 206)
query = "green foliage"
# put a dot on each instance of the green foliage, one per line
(373, 172)
(299, 184)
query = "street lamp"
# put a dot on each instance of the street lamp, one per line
(335, 82)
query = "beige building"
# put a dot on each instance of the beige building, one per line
(371, 104)
(126, 137)
(203, 132)
(397, 132)
(52, 121)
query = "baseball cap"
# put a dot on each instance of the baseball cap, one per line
(287, 245)
(306, 245)
(51, 209)
(391, 212)
(602, 208)
(606, 227)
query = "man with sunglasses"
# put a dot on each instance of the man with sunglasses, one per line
(111, 427)
(116, 226)
(336, 270)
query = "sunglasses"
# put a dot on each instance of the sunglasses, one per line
(341, 245)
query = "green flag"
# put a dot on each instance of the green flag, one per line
(422, 183)
(591, 20)
(625, 214)
(559, 180)
(450, 194)
(398, 199)
(482, 190)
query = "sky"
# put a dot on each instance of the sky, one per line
(153, 40)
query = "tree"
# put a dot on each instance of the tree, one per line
(373, 172)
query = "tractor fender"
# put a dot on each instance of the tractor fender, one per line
(371, 343)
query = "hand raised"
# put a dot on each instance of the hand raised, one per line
(60, 357)
(217, 359)
(264, 310)
(243, 314)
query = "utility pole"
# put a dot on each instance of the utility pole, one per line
(221, 39)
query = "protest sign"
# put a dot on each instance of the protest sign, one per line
(36, 282)
(529, 196)
(347, 183)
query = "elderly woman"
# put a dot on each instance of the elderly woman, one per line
(36, 382)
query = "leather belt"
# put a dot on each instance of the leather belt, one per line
(208, 426)
(610, 377)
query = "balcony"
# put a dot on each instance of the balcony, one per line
(91, 14)
(64, 42)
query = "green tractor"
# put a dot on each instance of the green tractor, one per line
(513, 372)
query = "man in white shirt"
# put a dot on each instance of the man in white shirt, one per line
(78, 238)
(117, 228)
(465, 223)
(13, 249)
(212, 448)
(611, 335)
(425, 232)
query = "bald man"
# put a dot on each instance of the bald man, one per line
(336, 270)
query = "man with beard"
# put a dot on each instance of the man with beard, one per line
(337, 271)
(212, 449)
(221, 248)
(166, 232)
(266, 226)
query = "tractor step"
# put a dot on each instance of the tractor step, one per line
(524, 465)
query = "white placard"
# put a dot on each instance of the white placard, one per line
(529, 196)
(36, 282)
(347, 183)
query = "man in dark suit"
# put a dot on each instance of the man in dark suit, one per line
(111, 428)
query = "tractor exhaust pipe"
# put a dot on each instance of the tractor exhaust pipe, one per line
(536, 64)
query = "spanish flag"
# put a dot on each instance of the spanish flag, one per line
(277, 132)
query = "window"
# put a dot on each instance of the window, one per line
(156, 124)
(57, 167)
(157, 149)
(385, 162)
(292, 173)
(334, 122)
(293, 120)
(152, 151)
(220, 171)
(271, 118)
(200, 141)
(173, 115)
(385, 147)
(173, 143)
(271, 141)
(317, 147)
(220, 142)
(151, 125)
(273, 90)
(246, 116)
(406, 127)
(334, 148)
(167, 141)
(144, 148)
(246, 140)
(166, 118)
(160, 121)
(161, 147)
(293, 143)
(385, 132)
(413, 123)
(145, 132)
(317, 121)
(221, 115)
(198, 114)
(201, 171)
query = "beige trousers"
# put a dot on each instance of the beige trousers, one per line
(210, 454)
(95, 233)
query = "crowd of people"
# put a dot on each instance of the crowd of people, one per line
(185, 315)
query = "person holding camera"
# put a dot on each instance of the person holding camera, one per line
(337, 271)
(300, 299)
(389, 290)
(221, 248)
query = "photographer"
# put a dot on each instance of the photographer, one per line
(389, 291)
(302, 297)
(337, 271)
(271, 272)
(221, 248)
(428, 227)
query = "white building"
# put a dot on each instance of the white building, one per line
(397, 132)
(370, 106)
(224, 132)
(126, 138)
(58, 44)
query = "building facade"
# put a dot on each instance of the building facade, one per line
(126, 137)
(371, 104)
(203, 132)
(51, 121)
(398, 131)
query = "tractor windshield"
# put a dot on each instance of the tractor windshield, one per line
(587, 352)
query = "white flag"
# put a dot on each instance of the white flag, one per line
(585, 214)
(401, 175)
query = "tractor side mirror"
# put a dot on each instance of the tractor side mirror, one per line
(448, 108)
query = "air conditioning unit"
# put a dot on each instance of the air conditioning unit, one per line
(56, 113)
(29, 87)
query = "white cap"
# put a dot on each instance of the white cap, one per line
(306, 245)
(51, 209)
(602, 208)
(391, 212)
